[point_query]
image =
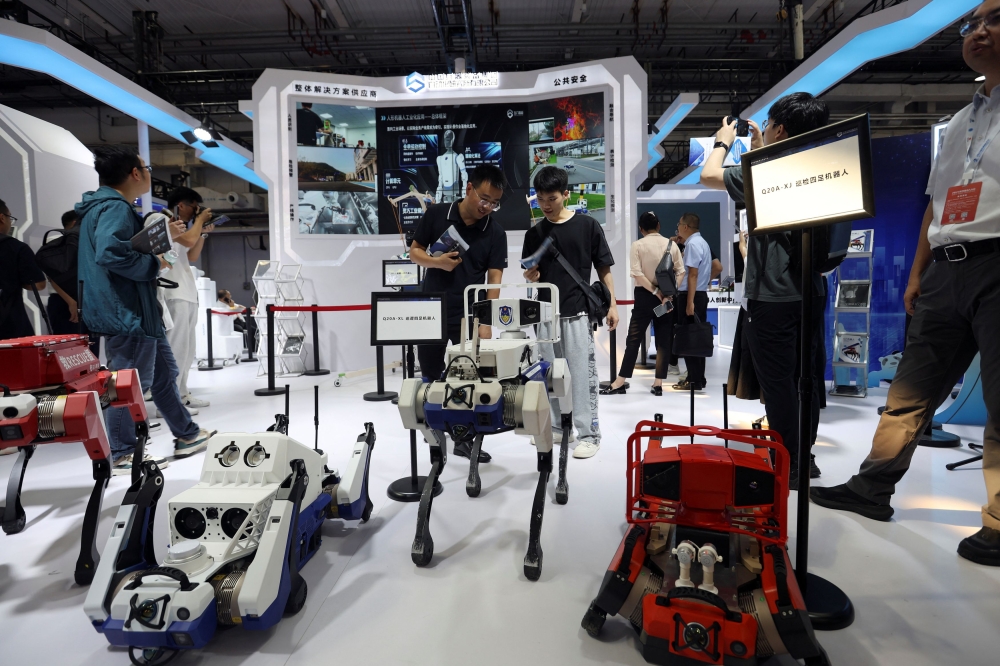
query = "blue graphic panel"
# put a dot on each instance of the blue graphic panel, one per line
(901, 166)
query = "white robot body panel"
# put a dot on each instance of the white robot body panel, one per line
(93, 605)
(352, 483)
(241, 450)
(535, 416)
(260, 588)
(196, 602)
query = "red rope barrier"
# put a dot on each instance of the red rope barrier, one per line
(625, 302)
(229, 313)
(318, 308)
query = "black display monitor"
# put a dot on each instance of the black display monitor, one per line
(817, 178)
(409, 318)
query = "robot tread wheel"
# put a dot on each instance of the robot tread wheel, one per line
(297, 599)
(152, 656)
(367, 513)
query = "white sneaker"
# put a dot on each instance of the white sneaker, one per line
(123, 466)
(8, 452)
(586, 449)
(673, 370)
(191, 410)
(147, 395)
(191, 401)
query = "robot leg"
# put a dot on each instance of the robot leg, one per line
(559, 381)
(473, 485)
(533, 558)
(129, 549)
(422, 549)
(86, 564)
(562, 486)
(13, 513)
(350, 494)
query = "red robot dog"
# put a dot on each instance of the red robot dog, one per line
(54, 391)
(724, 509)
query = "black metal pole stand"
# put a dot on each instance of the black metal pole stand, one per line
(41, 309)
(211, 358)
(614, 361)
(270, 390)
(409, 488)
(316, 369)
(251, 338)
(829, 608)
(380, 394)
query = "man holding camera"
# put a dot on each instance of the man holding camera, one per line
(182, 302)
(772, 278)
(953, 295)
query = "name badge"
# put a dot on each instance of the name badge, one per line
(961, 204)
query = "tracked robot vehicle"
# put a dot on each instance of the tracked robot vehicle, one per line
(238, 540)
(54, 392)
(703, 573)
(489, 387)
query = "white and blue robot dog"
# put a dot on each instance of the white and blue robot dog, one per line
(238, 539)
(489, 387)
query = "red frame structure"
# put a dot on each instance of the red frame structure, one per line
(762, 521)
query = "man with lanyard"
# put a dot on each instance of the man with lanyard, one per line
(450, 273)
(17, 270)
(693, 298)
(953, 295)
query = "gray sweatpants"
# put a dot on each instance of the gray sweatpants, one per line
(577, 347)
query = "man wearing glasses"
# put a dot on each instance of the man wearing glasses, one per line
(953, 295)
(450, 273)
(17, 270)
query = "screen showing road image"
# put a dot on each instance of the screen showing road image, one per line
(813, 182)
(583, 160)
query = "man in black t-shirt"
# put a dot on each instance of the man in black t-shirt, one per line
(449, 273)
(580, 239)
(18, 270)
(307, 124)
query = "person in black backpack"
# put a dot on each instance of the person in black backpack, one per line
(17, 271)
(657, 266)
(63, 250)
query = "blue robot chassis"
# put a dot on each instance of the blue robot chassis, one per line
(238, 540)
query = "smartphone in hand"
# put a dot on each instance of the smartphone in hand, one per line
(663, 308)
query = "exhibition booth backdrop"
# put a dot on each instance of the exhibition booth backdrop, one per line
(352, 162)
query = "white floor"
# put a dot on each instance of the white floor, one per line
(917, 602)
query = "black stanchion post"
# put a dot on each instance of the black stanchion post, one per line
(829, 608)
(211, 357)
(41, 308)
(409, 488)
(251, 337)
(270, 390)
(614, 361)
(380, 394)
(316, 369)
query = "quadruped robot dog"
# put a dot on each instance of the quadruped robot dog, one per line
(703, 573)
(489, 387)
(54, 391)
(238, 540)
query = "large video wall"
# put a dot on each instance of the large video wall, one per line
(365, 170)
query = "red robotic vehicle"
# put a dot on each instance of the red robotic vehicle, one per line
(703, 573)
(54, 391)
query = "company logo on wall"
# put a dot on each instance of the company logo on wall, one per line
(415, 82)
(737, 152)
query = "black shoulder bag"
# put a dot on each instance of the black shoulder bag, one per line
(598, 295)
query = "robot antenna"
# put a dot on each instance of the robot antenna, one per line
(316, 415)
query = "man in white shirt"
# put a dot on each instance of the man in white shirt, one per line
(953, 295)
(191, 221)
(693, 298)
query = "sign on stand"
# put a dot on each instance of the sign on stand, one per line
(408, 318)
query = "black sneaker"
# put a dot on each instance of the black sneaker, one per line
(843, 498)
(607, 390)
(814, 472)
(464, 449)
(983, 547)
(793, 477)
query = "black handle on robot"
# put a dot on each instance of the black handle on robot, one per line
(699, 595)
(166, 572)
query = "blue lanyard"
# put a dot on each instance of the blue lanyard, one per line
(972, 163)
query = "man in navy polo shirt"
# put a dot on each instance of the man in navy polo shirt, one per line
(483, 262)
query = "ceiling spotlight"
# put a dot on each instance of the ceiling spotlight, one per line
(202, 134)
(189, 136)
(980, 79)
